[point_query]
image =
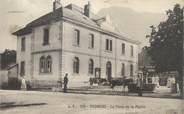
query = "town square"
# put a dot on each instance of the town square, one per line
(92, 56)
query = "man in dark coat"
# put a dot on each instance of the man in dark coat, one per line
(139, 85)
(65, 82)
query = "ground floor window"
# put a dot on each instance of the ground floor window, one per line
(76, 65)
(91, 66)
(109, 70)
(22, 68)
(42, 64)
(49, 64)
(131, 69)
(45, 64)
(123, 69)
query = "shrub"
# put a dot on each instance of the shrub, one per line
(4, 85)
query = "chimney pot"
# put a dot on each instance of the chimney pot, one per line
(87, 9)
(56, 5)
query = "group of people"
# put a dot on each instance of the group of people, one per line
(139, 84)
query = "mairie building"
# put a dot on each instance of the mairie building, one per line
(73, 40)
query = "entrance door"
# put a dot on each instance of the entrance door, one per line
(109, 70)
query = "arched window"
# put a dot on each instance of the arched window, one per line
(42, 64)
(49, 64)
(76, 65)
(131, 69)
(91, 66)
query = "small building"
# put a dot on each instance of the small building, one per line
(13, 71)
(72, 40)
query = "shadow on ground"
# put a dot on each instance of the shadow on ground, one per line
(7, 105)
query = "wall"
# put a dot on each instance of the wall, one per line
(3, 77)
(24, 55)
(54, 37)
(99, 54)
(55, 67)
(13, 72)
(35, 49)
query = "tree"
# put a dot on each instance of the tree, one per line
(166, 43)
(8, 57)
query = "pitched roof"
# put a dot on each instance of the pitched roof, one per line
(56, 16)
(70, 14)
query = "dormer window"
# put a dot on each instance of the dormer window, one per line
(46, 36)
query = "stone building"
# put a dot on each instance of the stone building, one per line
(72, 40)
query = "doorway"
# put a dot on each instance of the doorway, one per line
(109, 70)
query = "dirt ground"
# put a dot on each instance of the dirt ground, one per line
(34, 102)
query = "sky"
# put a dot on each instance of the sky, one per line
(17, 13)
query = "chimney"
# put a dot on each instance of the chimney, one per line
(56, 5)
(87, 8)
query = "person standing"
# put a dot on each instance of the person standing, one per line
(139, 85)
(23, 84)
(65, 82)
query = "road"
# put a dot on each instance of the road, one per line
(34, 102)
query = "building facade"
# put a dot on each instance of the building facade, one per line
(69, 40)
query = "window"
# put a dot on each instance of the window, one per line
(123, 69)
(131, 70)
(123, 48)
(46, 36)
(76, 65)
(109, 70)
(91, 41)
(91, 66)
(22, 68)
(108, 45)
(49, 64)
(76, 37)
(42, 64)
(45, 64)
(23, 44)
(132, 50)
